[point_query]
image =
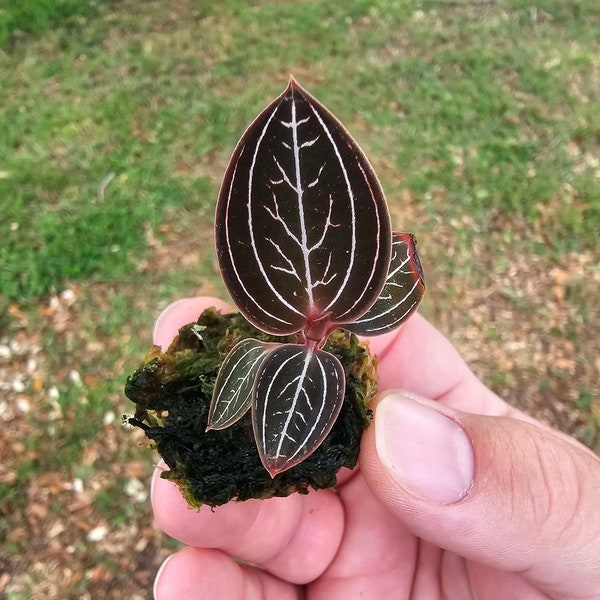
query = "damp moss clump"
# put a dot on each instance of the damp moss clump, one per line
(172, 391)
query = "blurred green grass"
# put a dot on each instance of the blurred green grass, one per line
(22, 19)
(493, 104)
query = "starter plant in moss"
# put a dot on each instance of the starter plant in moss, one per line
(306, 251)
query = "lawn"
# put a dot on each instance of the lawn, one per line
(482, 120)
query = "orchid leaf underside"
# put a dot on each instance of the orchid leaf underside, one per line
(304, 245)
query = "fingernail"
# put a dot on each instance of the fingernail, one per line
(160, 467)
(160, 322)
(425, 451)
(156, 594)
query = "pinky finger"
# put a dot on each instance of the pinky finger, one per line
(200, 573)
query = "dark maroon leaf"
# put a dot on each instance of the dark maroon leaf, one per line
(302, 228)
(297, 397)
(304, 245)
(233, 388)
(401, 294)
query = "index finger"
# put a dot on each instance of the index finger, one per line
(418, 358)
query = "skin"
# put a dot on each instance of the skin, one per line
(458, 496)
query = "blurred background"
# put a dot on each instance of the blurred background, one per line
(117, 119)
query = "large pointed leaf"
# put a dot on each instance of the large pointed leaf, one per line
(233, 387)
(302, 227)
(401, 294)
(297, 398)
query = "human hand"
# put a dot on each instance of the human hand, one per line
(457, 496)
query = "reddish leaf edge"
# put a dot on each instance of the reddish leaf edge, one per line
(305, 372)
(233, 392)
(402, 292)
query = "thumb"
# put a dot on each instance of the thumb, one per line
(505, 492)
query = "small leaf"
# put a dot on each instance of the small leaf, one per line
(297, 398)
(233, 388)
(401, 294)
(302, 227)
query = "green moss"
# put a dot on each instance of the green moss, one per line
(172, 391)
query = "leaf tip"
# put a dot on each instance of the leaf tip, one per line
(273, 472)
(294, 85)
(213, 423)
(276, 466)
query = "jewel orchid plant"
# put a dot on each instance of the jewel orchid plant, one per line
(305, 246)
